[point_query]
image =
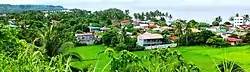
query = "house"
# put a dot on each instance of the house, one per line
(124, 22)
(144, 26)
(151, 41)
(233, 41)
(195, 30)
(104, 28)
(92, 29)
(214, 28)
(238, 21)
(87, 38)
(166, 28)
(148, 39)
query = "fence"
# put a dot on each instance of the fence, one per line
(161, 46)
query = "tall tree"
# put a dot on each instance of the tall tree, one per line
(170, 17)
(246, 18)
(127, 12)
(237, 15)
(231, 18)
(219, 19)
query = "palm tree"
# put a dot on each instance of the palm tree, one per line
(237, 15)
(178, 25)
(246, 18)
(126, 12)
(219, 19)
(166, 14)
(231, 18)
(136, 15)
(170, 17)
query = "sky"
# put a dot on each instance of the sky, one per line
(201, 10)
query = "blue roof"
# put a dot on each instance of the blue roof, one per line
(94, 27)
(14, 26)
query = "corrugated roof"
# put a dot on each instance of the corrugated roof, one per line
(150, 36)
(84, 34)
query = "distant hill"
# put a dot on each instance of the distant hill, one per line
(6, 8)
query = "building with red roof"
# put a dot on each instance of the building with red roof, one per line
(233, 41)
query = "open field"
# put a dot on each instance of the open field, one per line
(202, 56)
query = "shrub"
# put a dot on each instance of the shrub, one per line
(121, 46)
(65, 46)
(229, 66)
(217, 42)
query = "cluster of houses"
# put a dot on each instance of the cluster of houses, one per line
(150, 41)
(147, 40)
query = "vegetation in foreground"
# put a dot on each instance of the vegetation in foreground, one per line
(201, 56)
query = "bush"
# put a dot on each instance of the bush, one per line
(226, 66)
(65, 46)
(217, 41)
(121, 46)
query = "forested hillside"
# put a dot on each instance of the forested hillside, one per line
(18, 8)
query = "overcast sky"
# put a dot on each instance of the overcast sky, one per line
(202, 10)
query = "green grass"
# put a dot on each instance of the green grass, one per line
(200, 55)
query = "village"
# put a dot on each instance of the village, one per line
(238, 27)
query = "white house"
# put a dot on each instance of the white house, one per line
(151, 41)
(148, 39)
(238, 21)
(87, 38)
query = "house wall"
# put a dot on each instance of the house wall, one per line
(88, 39)
(161, 46)
(238, 21)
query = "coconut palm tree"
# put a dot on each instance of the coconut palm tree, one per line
(246, 18)
(231, 18)
(237, 15)
(219, 19)
(170, 17)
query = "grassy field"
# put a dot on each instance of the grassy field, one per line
(202, 56)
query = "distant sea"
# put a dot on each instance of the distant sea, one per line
(200, 13)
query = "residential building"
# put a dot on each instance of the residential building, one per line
(104, 28)
(93, 29)
(87, 38)
(233, 41)
(148, 39)
(125, 22)
(238, 21)
(151, 41)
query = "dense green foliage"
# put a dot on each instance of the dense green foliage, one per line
(217, 41)
(196, 38)
(162, 60)
(6, 8)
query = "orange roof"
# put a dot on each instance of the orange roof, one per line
(126, 21)
(173, 37)
(152, 26)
